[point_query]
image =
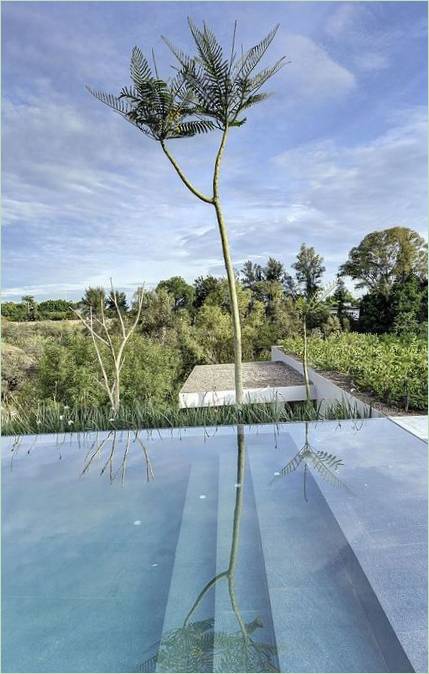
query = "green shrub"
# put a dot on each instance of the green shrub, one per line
(68, 372)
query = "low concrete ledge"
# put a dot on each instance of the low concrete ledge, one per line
(279, 394)
(263, 382)
(324, 390)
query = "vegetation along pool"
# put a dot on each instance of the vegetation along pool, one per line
(241, 549)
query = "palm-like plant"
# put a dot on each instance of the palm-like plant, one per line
(210, 91)
(325, 463)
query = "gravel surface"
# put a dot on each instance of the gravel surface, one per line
(259, 374)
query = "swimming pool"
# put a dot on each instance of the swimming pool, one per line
(213, 550)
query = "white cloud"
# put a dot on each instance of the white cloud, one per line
(66, 290)
(329, 196)
(86, 196)
(371, 61)
(374, 185)
(312, 72)
(342, 19)
(100, 208)
(369, 39)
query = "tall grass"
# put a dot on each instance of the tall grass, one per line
(52, 417)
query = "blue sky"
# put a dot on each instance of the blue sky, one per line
(338, 151)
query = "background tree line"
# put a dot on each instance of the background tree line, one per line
(183, 324)
(390, 265)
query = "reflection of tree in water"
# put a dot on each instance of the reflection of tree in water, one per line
(196, 646)
(325, 463)
(110, 442)
(96, 449)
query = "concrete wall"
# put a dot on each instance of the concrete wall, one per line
(324, 389)
(251, 395)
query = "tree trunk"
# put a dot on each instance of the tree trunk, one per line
(304, 362)
(215, 201)
(235, 314)
(117, 391)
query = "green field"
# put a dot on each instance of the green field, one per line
(394, 370)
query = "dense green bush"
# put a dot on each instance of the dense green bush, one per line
(13, 311)
(53, 310)
(394, 369)
(402, 310)
(68, 372)
(56, 310)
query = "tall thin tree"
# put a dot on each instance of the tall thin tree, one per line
(309, 270)
(209, 91)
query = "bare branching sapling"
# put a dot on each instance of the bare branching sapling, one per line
(111, 349)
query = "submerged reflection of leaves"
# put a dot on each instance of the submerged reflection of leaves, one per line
(195, 647)
(325, 463)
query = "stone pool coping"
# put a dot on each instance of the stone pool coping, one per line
(387, 531)
(416, 424)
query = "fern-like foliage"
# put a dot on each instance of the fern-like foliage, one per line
(324, 467)
(209, 90)
(160, 109)
(290, 467)
(224, 86)
(196, 646)
(329, 460)
(325, 463)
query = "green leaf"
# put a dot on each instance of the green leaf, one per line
(140, 70)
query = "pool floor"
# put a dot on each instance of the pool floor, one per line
(191, 553)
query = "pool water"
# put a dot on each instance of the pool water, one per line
(199, 551)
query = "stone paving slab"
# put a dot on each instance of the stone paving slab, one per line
(417, 425)
(383, 515)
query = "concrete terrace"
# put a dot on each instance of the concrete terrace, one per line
(263, 381)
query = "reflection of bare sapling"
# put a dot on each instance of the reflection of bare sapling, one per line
(97, 451)
(149, 471)
(325, 463)
(14, 449)
(111, 436)
(196, 647)
(355, 423)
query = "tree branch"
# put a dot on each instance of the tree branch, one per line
(183, 178)
(115, 301)
(88, 327)
(218, 163)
